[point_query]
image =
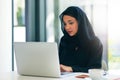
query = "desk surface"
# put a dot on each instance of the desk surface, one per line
(15, 76)
(112, 75)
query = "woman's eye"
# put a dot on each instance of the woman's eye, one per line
(71, 23)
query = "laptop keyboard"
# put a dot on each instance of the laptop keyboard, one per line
(64, 73)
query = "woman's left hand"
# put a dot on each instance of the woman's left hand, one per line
(64, 68)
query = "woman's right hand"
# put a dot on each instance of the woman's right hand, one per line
(64, 68)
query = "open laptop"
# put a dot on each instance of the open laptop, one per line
(37, 59)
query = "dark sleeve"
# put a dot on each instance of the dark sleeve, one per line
(95, 56)
(61, 49)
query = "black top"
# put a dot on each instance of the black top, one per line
(83, 50)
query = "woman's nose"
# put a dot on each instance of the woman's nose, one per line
(67, 27)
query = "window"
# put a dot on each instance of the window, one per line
(114, 34)
(19, 20)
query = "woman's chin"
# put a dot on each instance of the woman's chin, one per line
(71, 35)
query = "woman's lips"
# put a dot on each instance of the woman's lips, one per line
(69, 32)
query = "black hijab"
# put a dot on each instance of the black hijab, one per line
(83, 50)
(85, 32)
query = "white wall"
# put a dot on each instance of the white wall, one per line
(5, 35)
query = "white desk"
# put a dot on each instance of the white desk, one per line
(16, 76)
(112, 75)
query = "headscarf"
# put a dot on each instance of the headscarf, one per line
(85, 32)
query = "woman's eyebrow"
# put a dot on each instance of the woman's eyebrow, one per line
(70, 20)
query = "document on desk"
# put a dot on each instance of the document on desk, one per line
(66, 74)
(74, 76)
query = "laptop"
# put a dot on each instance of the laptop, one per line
(37, 59)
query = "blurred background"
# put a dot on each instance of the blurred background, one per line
(38, 20)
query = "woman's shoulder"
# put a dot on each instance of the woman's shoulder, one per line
(63, 39)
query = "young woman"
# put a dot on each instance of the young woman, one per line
(79, 48)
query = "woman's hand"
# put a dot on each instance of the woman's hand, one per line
(64, 68)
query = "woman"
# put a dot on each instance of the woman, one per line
(79, 48)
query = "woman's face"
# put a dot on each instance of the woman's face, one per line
(70, 25)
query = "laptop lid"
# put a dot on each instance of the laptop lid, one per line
(37, 59)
